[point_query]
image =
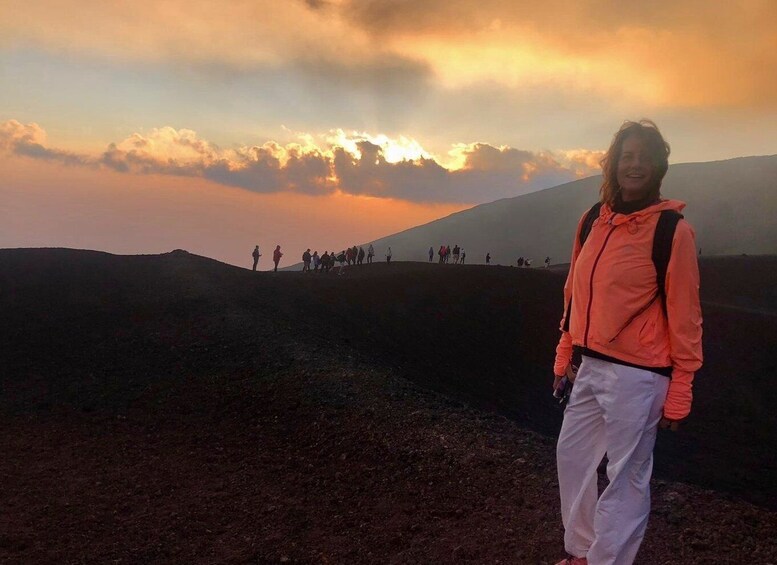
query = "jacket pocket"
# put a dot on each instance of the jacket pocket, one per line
(647, 335)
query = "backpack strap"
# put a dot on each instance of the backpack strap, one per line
(588, 222)
(662, 248)
(585, 230)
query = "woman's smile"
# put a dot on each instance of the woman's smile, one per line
(635, 169)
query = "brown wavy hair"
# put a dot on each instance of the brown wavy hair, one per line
(659, 153)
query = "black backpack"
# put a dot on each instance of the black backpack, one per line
(662, 247)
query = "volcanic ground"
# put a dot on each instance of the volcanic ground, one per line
(174, 409)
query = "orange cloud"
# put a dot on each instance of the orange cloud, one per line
(683, 53)
(13, 133)
(29, 141)
(267, 168)
(347, 163)
(583, 161)
(241, 34)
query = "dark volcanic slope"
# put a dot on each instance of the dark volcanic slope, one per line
(488, 335)
(152, 378)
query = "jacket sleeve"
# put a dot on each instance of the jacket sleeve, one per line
(684, 320)
(564, 347)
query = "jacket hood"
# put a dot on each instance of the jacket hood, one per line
(606, 214)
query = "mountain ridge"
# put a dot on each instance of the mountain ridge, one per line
(721, 196)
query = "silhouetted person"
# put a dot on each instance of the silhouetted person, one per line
(276, 257)
(547, 262)
(360, 256)
(463, 256)
(256, 256)
(441, 253)
(316, 261)
(370, 253)
(325, 262)
(388, 255)
(488, 258)
(306, 257)
(520, 261)
(456, 254)
(431, 254)
(341, 259)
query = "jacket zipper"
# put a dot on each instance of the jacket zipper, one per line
(591, 285)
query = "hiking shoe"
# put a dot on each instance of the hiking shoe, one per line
(573, 561)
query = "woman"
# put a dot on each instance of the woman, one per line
(640, 349)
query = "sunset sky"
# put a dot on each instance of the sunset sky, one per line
(145, 126)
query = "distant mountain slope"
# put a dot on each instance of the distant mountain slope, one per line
(732, 205)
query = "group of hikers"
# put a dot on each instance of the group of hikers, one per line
(350, 256)
(324, 263)
(459, 256)
(445, 252)
(355, 256)
(526, 262)
(276, 257)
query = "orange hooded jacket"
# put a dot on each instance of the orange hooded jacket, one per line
(616, 308)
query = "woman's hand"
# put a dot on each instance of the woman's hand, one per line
(671, 425)
(571, 372)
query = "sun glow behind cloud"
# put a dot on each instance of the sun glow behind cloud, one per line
(394, 150)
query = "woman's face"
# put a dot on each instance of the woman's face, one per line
(635, 169)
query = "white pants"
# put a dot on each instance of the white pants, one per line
(615, 410)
